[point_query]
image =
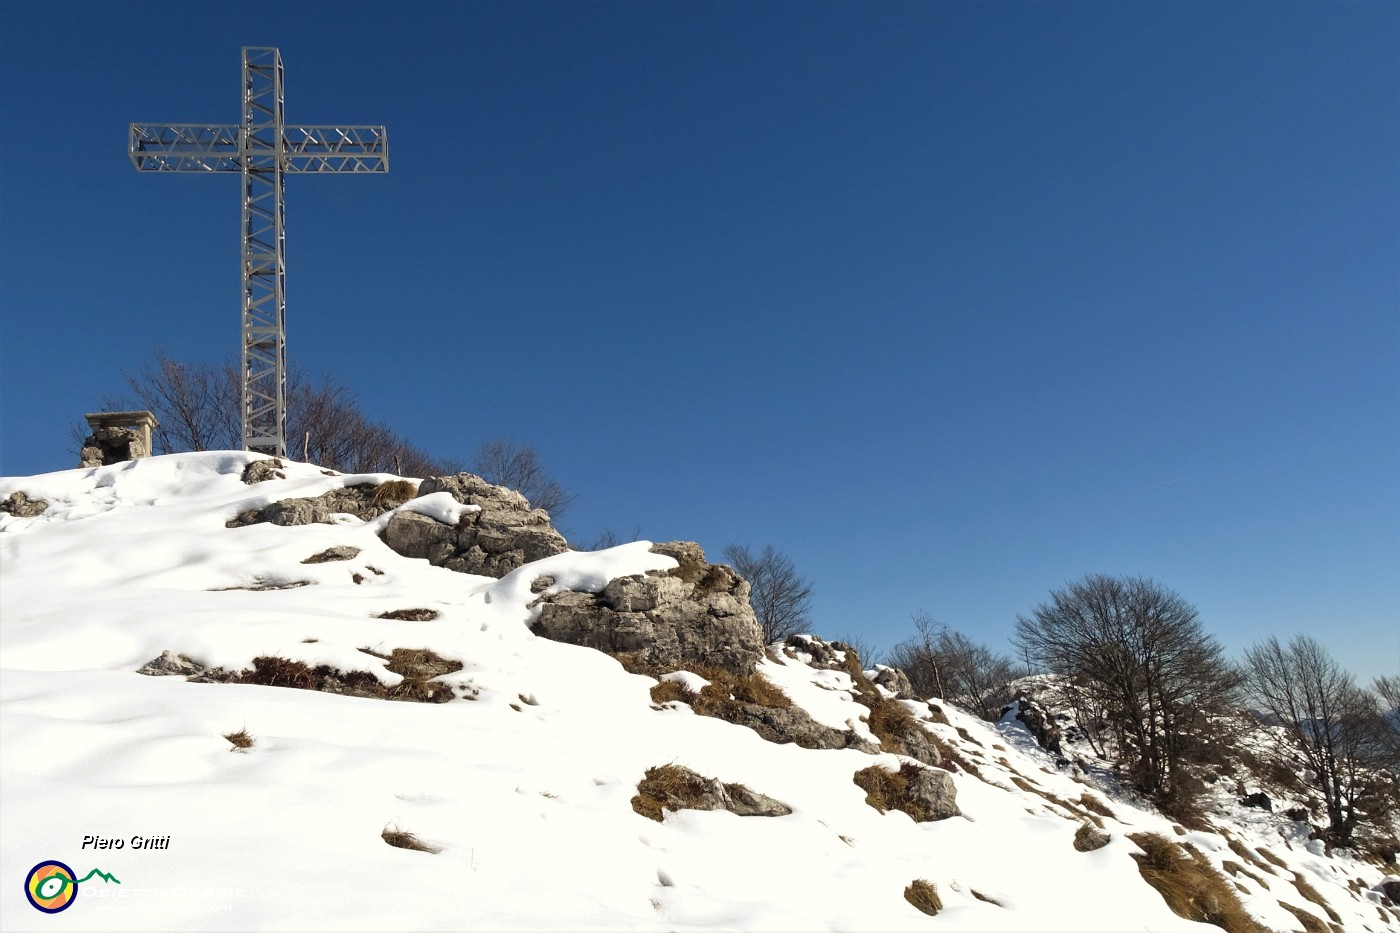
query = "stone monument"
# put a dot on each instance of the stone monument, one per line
(117, 436)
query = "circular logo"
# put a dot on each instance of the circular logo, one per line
(51, 887)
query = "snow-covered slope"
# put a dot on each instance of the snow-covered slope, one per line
(522, 783)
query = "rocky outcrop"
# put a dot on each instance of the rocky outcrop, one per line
(502, 534)
(1041, 724)
(895, 681)
(793, 724)
(21, 506)
(170, 664)
(697, 614)
(260, 471)
(365, 501)
(675, 787)
(926, 794)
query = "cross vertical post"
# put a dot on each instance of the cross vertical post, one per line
(264, 364)
(263, 149)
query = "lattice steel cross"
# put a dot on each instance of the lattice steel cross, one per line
(264, 149)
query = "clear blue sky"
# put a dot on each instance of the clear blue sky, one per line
(950, 302)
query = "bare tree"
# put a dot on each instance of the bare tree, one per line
(782, 598)
(918, 657)
(1139, 653)
(949, 665)
(503, 462)
(1336, 728)
(198, 407)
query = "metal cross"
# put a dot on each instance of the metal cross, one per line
(264, 150)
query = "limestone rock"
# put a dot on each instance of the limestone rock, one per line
(675, 787)
(21, 506)
(695, 614)
(338, 552)
(934, 789)
(260, 471)
(504, 533)
(170, 664)
(895, 681)
(360, 501)
(794, 725)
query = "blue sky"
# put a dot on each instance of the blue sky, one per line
(952, 303)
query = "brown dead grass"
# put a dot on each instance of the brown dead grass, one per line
(1094, 805)
(1275, 859)
(1191, 887)
(1243, 851)
(404, 840)
(240, 739)
(1235, 868)
(666, 787)
(393, 493)
(1310, 921)
(985, 898)
(1309, 892)
(924, 895)
(410, 615)
(889, 790)
(670, 691)
(417, 666)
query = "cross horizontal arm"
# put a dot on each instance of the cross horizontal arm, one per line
(199, 147)
(184, 147)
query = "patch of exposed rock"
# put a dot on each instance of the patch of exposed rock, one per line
(21, 506)
(793, 724)
(895, 681)
(338, 552)
(364, 501)
(675, 787)
(926, 794)
(504, 533)
(697, 614)
(260, 471)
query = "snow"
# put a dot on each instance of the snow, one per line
(524, 790)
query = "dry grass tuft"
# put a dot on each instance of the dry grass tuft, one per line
(404, 840)
(666, 786)
(1094, 805)
(891, 722)
(1309, 892)
(393, 493)
(240, 739)
(983, 897)
(1191, 887)
(953, 760)
(924, 896)
(669, 691)
(410, 615)
(725, 690)
(889, 790)
(936, 713)
(280, 672)
(1275, 859)
(1243, 851)
(1236, 869)
(1310, 921)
